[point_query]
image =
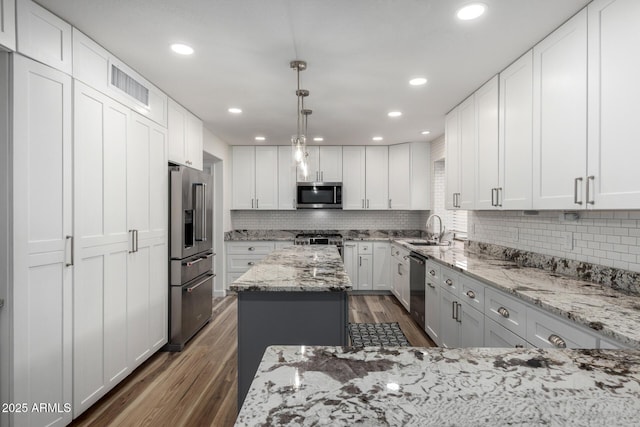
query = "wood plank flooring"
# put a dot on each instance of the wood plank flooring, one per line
(198, 387)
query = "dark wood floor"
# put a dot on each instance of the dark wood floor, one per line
(197, 387)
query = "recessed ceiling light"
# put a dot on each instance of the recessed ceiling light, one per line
(318, 139)
(182, 49)
(377, 138)
(418, 81)
(394, 114)
(471, 11)
(260, 138)
(234, 110)
(425, 132)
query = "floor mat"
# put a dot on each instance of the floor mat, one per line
(377, 335)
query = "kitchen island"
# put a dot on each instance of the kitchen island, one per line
(296, 295)
(404, 386)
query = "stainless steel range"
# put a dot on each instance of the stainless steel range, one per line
(320, 239)
(191, 254)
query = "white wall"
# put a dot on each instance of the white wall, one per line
(610, 238)
(216, 147)
(5, 235)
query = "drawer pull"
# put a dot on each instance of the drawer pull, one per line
(471, 294)
(432, 272)
(431, 286)
(557, 341)
(448, 282)
(519, 346)
(503, 312)
(251, 248)
(251, 263)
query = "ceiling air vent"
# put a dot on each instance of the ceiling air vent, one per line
(129, 85)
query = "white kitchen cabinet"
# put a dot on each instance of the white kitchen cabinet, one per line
(400, 176)
(358, 264)
(560, 116)
(242, 255)
(353, 173)
(400, 273)
(432, 300)
(255, 177)
(43, 36)
(452, 159)
(498, 336)
(547, 331)
(516, 135)
(460, 127)
(185, 136)
(613, 180)
(324, 164)
(461, 324)
(41, 242)
(365, 178)
(471, 325)
(350, 255)
(487, 161)
(381, 266)
(286, 179)
(449, 328)
(365, 272)
(377, 177)
(506, 311)
(8, 24)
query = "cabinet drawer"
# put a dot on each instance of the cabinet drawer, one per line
(611, 344)
(365, 248)
(242, 263)
(545, 331)
(433, 273)
(499, 336)
(450, 281)
(506, 311)
(254, 247)
(472, 293)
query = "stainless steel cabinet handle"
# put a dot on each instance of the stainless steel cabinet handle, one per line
(575, 190)
(251, 263)
(351, 246)
(499, 198)
(493, 191)
(137, 239)
(432, 272)
(399, 272)
(503, 312)
(590, 179)
(133, 241)
(251, 203)
(70, 263)
(557, 341)
(471, 294)
(453, 201)
(322, 176)
(449, 282)
(1, 302)
(360, 261)
(453, 310)
(519, 346)
(251, 248)
(458, 312)
(362, 203)
(257, 203)
(367, 203)
(389, 203)
(430, 285)
(192, 288)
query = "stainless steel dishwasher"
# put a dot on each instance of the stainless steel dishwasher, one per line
(416, 287)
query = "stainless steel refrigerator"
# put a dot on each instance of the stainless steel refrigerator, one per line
(191, 255)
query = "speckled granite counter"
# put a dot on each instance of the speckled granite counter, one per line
(280, 235)
(610, 312)
(316, 268)
(437, 387)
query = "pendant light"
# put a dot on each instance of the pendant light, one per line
(299, 140)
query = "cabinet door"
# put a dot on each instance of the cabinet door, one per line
(193, 141)
(560, 116)
(243, 177)
(101, 245)
(286, 179)
(452, 159)
(449, 329)
(313, 166)
(43, 36)
(420, 176)
(382, 266)
(400, 176)
(8, 24)
(468, 136)
(614, 90)
(350, 252)
(330, 164)
(405, 286)
(432, 311)
(177, 126)
(365, 272)
(516, 134)
(487, 170)
(471, 326)
(377, 178)
(353, 177)
(266, 177)
(42, 230)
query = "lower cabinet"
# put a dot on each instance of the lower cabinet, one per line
(496, 335)
(449, 329)
(242, 255)
(367, 264)
(546, 331)
(460, 324)
(432, 300)
(381, 266)
(401, 276)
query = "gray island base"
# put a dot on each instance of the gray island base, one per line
(295, 296)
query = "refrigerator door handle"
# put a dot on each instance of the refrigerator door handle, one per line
(200, 202)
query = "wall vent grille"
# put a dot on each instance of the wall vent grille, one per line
(129, 85)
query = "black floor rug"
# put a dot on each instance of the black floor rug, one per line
(377, 335)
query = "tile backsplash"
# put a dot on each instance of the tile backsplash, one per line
(609, 238)
(328, 220)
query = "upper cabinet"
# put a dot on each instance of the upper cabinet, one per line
(560, 117)
(377, 177)
(254, 177)
(613, 178)
(286, 179)
(452, 170)
(43, 36)
(324, 164)
(461, 155)
(185, 136)
(99, 69)
(409, 176)
(353, 173)
(487, 164)
(8, 24)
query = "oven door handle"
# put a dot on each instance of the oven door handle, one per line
(197, 285)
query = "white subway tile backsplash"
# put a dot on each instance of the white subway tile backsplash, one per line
(609, 238)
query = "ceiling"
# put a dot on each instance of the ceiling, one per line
(360, 54)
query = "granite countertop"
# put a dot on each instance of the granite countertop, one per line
(288, 235)
(317, 268)
(610, 312)
(404, 386)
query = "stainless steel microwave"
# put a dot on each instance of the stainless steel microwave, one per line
(319, 195)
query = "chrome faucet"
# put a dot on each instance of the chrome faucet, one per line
(441, 230)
